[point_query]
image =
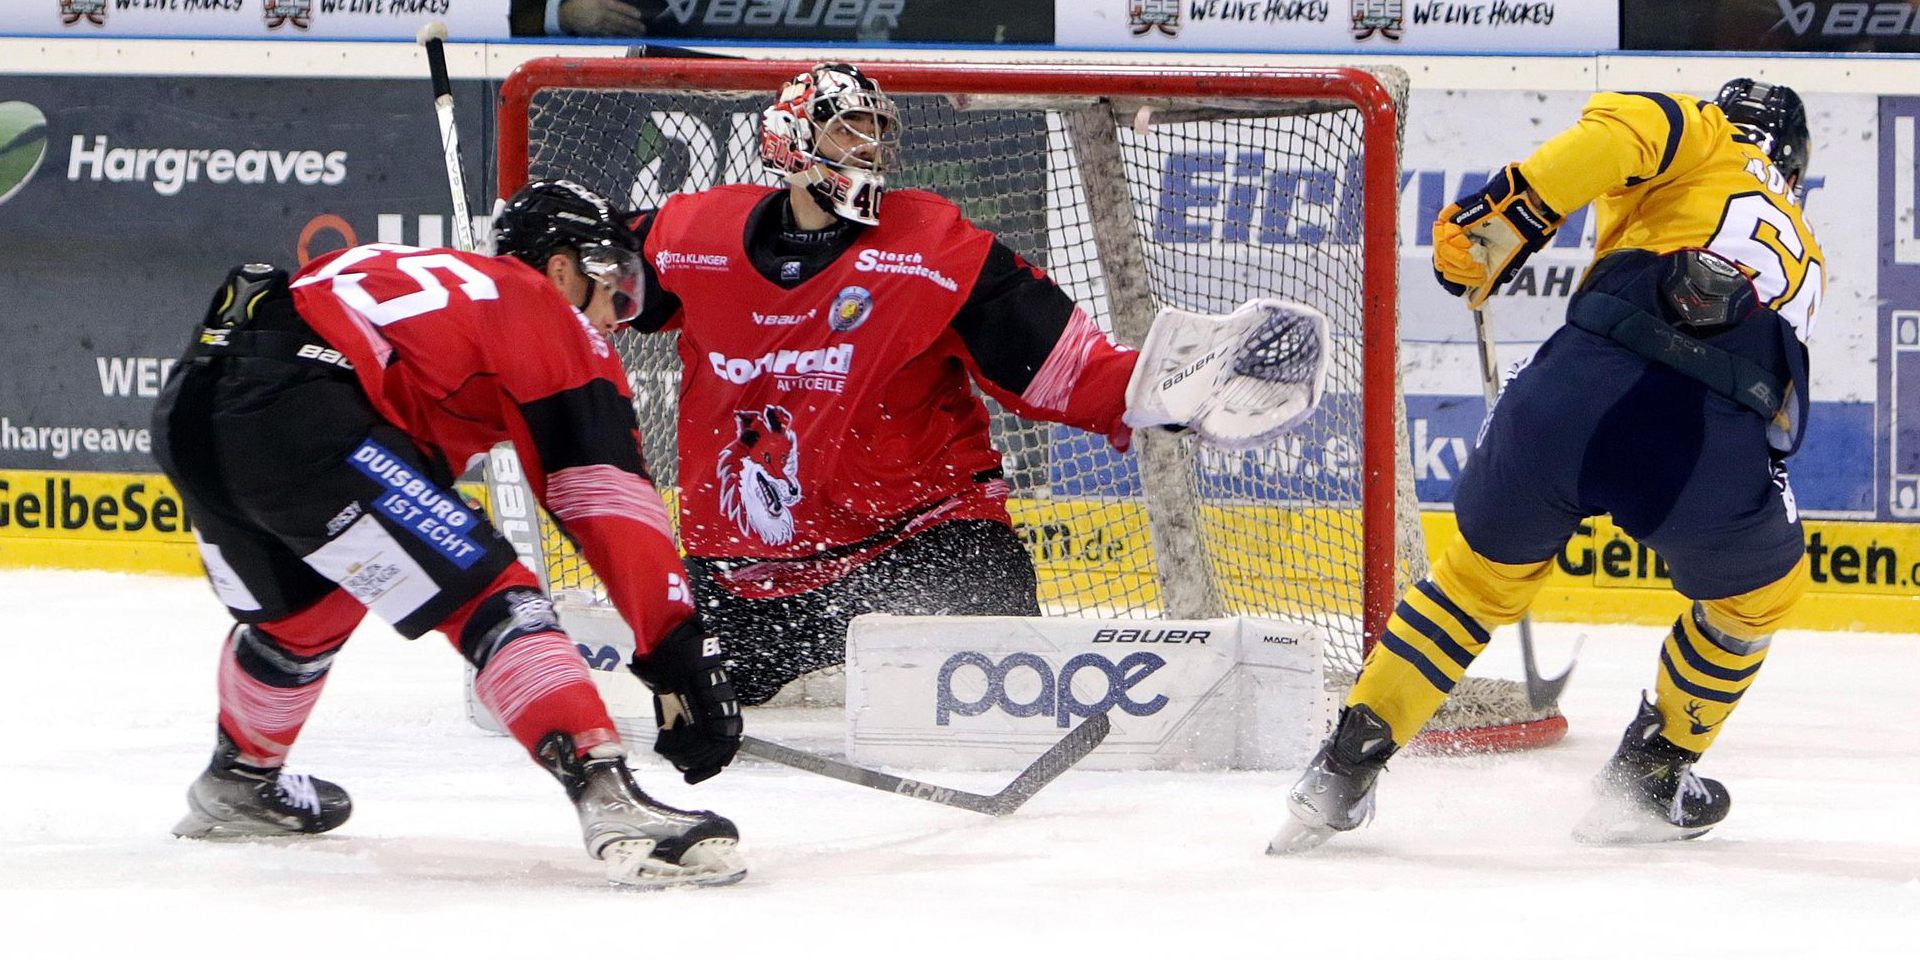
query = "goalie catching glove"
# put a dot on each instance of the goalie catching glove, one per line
(1481, 241)
(693, 701)
(1237, 380)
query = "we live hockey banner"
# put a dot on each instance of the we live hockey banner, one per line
(124, 201)
(1360, 26)
(258, 19)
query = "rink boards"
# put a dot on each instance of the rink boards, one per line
(1866, 575)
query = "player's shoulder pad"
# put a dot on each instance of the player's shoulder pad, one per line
(753, 189)
(680, 206)
(1664, 121)
(920, 207)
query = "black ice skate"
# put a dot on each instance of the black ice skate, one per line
(1648, 792)
(232, 800)
(644, 843)
(1336, 792)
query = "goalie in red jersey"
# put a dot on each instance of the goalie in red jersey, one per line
(314, 428)
(834, 457)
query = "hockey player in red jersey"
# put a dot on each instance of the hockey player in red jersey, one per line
(834, 458)
(314, 429)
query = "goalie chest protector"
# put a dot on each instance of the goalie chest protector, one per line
(822, 415)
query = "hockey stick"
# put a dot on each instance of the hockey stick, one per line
(509, 495)
(1542, 692)
(433, 36)
(1039, 773)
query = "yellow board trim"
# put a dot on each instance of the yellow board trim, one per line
(1866, 575)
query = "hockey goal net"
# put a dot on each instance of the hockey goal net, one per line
(1133, 188)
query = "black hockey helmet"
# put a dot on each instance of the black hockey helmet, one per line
(547, 215)
(1774, 117)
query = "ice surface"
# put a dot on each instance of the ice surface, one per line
(459, 847)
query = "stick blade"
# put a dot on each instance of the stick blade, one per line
(1060, 757)
(1544, 692)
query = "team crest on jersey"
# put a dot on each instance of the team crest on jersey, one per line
(851, 307)
(759, 474)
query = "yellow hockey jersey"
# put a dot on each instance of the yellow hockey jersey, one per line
(1664, 172)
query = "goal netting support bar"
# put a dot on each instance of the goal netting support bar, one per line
(1133, 187)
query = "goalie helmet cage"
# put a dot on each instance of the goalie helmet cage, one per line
(1133, 187)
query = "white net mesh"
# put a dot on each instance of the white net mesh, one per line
(1129, 205)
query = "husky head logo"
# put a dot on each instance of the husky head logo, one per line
(760, 474)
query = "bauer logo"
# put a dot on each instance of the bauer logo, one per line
(23, 144)
(851, 14)
(1885, 19)
(783, 319)
(1112, 635)
(1026, 685)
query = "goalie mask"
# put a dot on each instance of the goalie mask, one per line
(832, 131)
(1773, 117)
(547, 215)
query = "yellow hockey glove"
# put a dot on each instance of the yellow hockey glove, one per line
(1482, 240)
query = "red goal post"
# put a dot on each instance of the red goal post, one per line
(605, 120)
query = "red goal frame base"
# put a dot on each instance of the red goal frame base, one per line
(1527, 735)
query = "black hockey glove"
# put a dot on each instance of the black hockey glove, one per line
(693, 701)
(1482, 240)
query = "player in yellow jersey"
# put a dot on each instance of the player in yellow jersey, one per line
(1669, 400)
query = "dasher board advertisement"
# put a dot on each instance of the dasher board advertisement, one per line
(1885, 26)
(1360, 26)
(256, 19)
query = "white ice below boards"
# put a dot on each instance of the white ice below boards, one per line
(461, 848)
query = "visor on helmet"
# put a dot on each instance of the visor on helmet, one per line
(619, 270)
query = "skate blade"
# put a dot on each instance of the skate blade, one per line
(1617, 822)
(1296, 837)
(199, 826)
(709, 863)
